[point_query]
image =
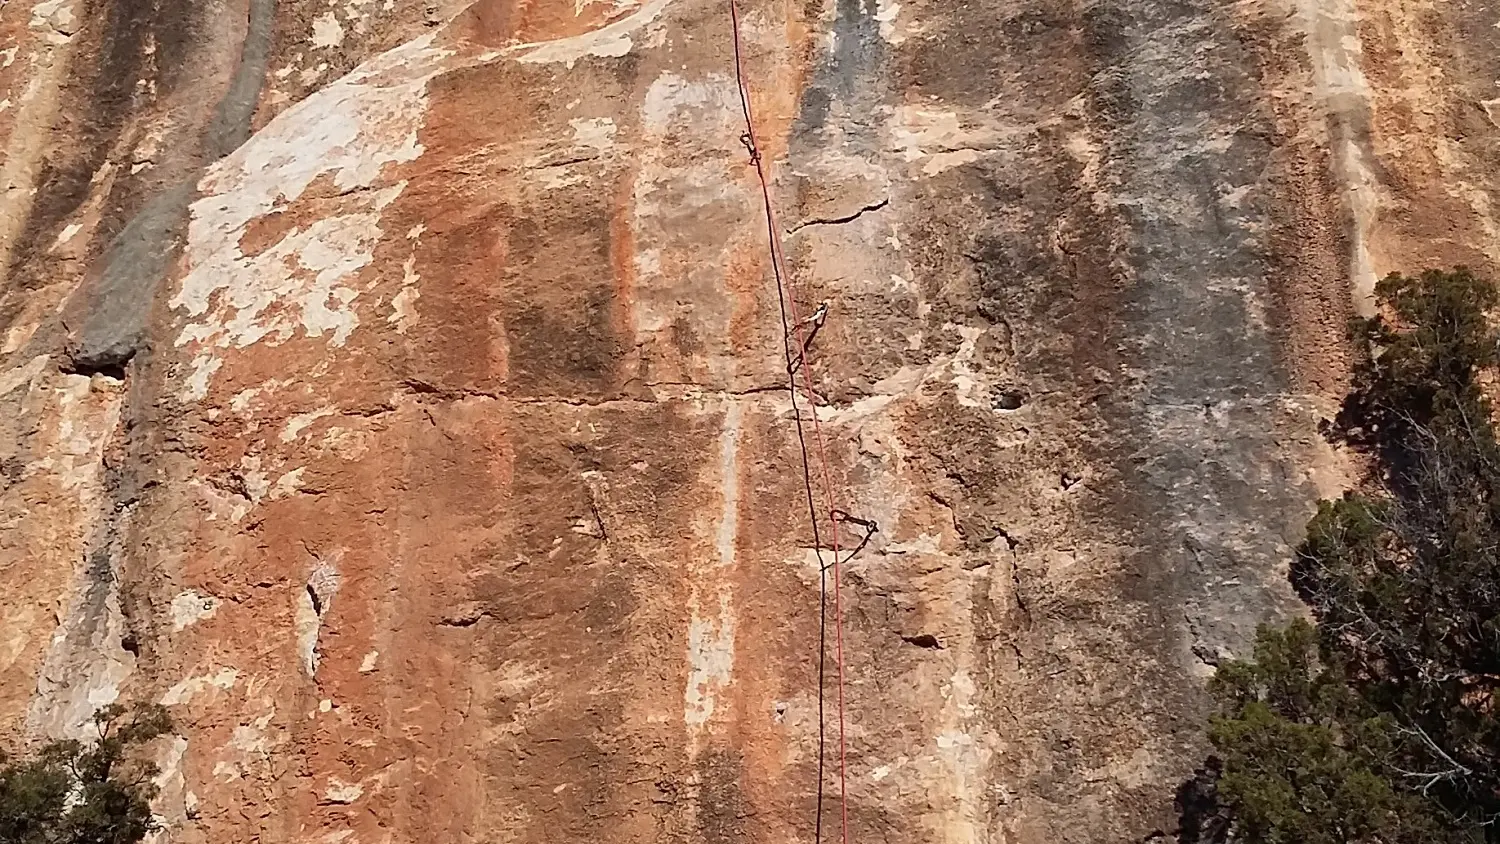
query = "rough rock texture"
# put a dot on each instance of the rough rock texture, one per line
(394, 389)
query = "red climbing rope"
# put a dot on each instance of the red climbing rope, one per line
(788, 299)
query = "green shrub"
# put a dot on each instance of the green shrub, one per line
(1380, 724)
(71, 792)
(1303, 757)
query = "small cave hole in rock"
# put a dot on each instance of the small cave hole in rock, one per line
(1008, 400)
(1070, 480)
(111, 364)
(924, 640)
(130, 644)
(317, 603)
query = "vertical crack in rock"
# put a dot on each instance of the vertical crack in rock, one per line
(313, 603)
(88, 657)
(95, 640)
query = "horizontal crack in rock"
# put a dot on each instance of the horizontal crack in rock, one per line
(834, 221)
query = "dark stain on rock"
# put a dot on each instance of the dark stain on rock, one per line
(141, 227)
(117, 299)
(1132, 287)
(926, 641)
(564, 342)
(686, 339)
(95, 111)
(230, 126)
(561, 300)
(849, 79)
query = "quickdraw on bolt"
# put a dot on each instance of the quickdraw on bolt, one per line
(870, 526)
(749, 143)
(816, 320)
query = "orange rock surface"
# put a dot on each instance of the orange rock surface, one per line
(398, 392)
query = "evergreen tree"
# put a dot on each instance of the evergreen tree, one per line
(1379, 725)
(72, 792)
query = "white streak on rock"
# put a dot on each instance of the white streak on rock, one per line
(595, 132)
(171, 803)
(710, 598)
(299, 423)
(307, 269)
(185, 690)
(204, 367)
(84, 665)
(342, 792)
(23, 374)
(889, 12)
(287, 484)
(312, 604)
(940, 140)
(606, 41)
(403, 310)
(248, 747)
(66, 234)
(706, 105)
(308, 281)
(56, 19)
(1334, 46)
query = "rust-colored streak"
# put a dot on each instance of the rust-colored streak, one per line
(751, 328)
(1429, 144)
(453, 222)
(777, 70)
(583, 713)
(496, 23)
(459, 463)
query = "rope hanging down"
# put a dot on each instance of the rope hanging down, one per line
(804, 330)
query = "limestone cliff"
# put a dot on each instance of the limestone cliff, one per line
(395, 390)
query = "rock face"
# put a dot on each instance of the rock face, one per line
(396, 390)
